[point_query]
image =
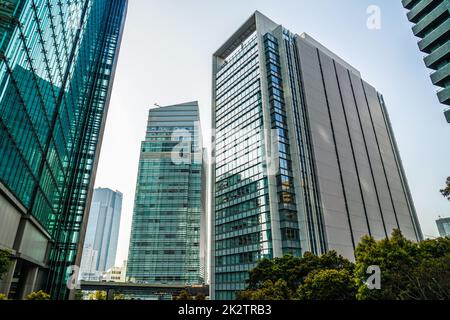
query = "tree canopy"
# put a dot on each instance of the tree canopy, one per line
(328, 284)
(40, 295)
(409, 271)
(283, 278)
(446, 191)
(5, 261)
(98, 295)
(183, 296)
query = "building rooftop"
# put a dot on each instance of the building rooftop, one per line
(258, 19)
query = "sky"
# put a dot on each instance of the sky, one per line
(166, 58)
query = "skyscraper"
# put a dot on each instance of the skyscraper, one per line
(168, 237)
(444, 227)
(305, 156)
(57, 65)
(102, 235)
(431, 20)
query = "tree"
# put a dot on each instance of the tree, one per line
(200, 297)
(409, 270)
(40, 295)
(183, 296)
(79, 295)
(294, 270)
(446, 191)
(328, 284)
(280, 278)
(270, 291)
(430, 280)
(5, 262)
(98, 295)
(3, 297)
(119, 296)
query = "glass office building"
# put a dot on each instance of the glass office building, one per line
(168, 237)
(431, 20)
(57, 64)
(305, 157)
(102, 234)
(443, 225)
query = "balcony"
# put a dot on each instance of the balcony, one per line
(435, 36)
(447, 114)
(444, 96)
(417, 11)
(437, 13)
(441, 76)
(408, 4)
(432, 60)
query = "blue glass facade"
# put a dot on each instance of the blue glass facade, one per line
(242, 230)
(57, 63)
(168, 237)
(443, 225)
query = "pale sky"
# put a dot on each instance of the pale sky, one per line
(166, 58)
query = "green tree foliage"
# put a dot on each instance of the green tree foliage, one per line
(183, 296)
(3, 297)
(98, 295)
(79, 295)
(446, 191)
(269, 291)
(328, 284)
(280, 278)
(294, 270)
(5, 262)
(200, 297)
(40, 295)
(409, 270)
(119, 296)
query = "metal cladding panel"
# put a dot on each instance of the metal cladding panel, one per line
(344, 147)
(398, 196)
(9, 222)
(360, 180)
(337, 228)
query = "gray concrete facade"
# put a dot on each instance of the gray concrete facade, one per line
(29, 245)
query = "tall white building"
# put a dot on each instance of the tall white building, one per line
(89, 260)
(100, 245)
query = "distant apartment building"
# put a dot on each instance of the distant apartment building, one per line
(168, 236)
(305, 156)
(88, 265)
(443, 225)
(102, 234)
(116, 274)
(431, 20)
